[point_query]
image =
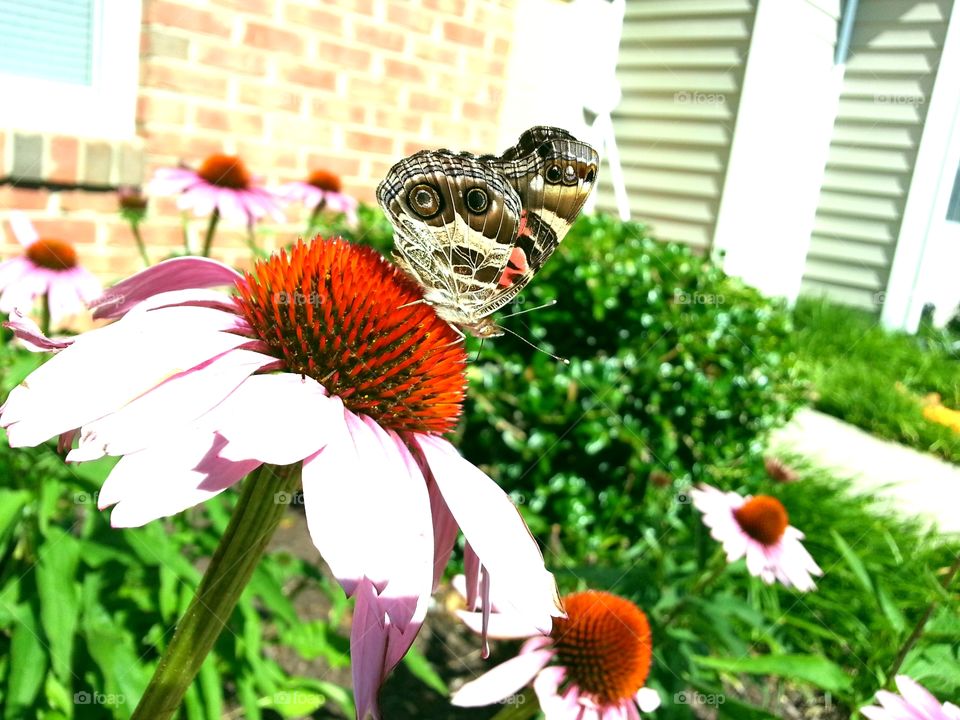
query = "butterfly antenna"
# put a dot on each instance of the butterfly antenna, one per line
(538, 307)
(479, 350)
(535, 347)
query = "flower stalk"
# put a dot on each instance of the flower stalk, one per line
(251, 526)
(211, 230)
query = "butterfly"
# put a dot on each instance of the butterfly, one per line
(473, 230)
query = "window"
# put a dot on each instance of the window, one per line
(70, 66)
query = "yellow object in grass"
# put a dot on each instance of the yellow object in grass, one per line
(935, 411)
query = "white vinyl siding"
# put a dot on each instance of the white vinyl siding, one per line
(681, 69)
(894, 56)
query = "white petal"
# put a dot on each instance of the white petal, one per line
(497, 533)
(181, 399)
(293, 419)
(23, 229)
(169, 477)
(502, 681)
(648, 699)
(502, 626)
(104, 369)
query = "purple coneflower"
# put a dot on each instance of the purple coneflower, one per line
(757, 527)
(321, 191)
(323, 356)
(913, 703)
(48, 268)
(592, 666)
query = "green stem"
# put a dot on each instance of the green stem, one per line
(185, 228)
(135, 227)
(521, 706)
(45, 315)
(252, 241)
(314, 216)
(263, 499)
(719, 565)
(922, 622)
(211, 229)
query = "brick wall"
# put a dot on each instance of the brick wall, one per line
(291, 86)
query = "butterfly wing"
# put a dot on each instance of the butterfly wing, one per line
(457, 220)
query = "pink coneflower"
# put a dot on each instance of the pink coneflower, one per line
(222, 185)
(325, 357)
(592, 666)
(757, 527)
(49, 269)
(321, 191)
(913, 703)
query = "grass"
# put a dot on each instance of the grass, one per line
(878, 379)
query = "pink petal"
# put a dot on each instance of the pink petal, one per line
(13, 269)
(547, 687)
(32, 337)
(201, 198)
(23, 293)
(193, 297)
(64, 297)
(471, 569)
(232, 206)
(919, 697)
(106, 368)
(502, 681)
(294, 418)
(368, 647)
(23, 229)
(496, 532)
(897, 707)
(444, 531)
(168, 477)
(361, 487)
(181, 399)
(875, 712)
(183, 273)
(501, 626)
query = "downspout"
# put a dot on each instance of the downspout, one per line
(845, 32)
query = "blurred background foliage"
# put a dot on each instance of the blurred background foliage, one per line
(676, 375)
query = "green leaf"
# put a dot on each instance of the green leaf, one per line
(112, 649)
(420, 667)
(853, 560)
(28, 664)
(294, 702)
(11, 505)
(809, 668)
(211, 687)
(59, 598)
(890, 610)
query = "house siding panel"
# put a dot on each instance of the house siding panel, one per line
(681, 69)
(895, 52)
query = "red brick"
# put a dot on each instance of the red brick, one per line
(409, 148)
(372, 92)
(232, 121)
(463, 34)
(273, 38)
(164, 235)
(63, 157)
(254, 7)
(378, 36)
(75, 231)
(186, 80)
(447, 7)
(483, 112)
(501, 47)
(340, 165)
(299, 130)
(17, 198)
(238, 59)
(309, 75)
(344, 57)
(440, 53)
(430, 103)
(267, 97)
(394, 119)
(314, 19)
(264, 159)
(368, 142)
(78, 200)
(185, 17)
(336, 109)
(182, 147)
(161, 109)
(363, 7)
(409, 16)
(403, 71)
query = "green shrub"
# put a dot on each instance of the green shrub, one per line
(675, 369)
